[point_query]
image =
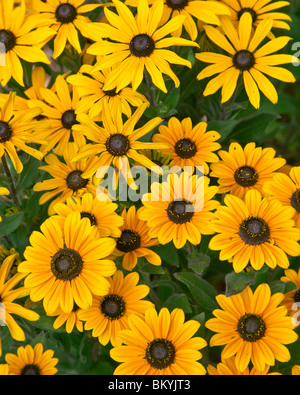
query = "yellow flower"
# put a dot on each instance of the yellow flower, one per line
(65, 17)
(160, 344)
(22, 36)
(245, 58)
(189, 146)
(109, 313)
(60, 108)
(7, 297)
(67, 265)
(16, 131)
(135, 240)
(101, 214)
(90, 89)
(117, 142)
(32, 361)
(70, 320)
(241, 169)
(68, 179)
(179, 209)
(252, 327)
(138, 43)
(255, 231)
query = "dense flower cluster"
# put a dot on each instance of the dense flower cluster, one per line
(103, 190)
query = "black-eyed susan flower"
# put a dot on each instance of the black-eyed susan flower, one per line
(67, 266)
(66, 17)
(227, 367)
(205, 11)
(32, 361)
(241, 169)
(179, 209)
(189, 146)
(253, 327)
(60, 109)
(69, 320)
(255, 231)
(102, 214)
(16, 131)
(286, 188)
(109, 313)
(117, 142)
(259, 10)
(160, 344)
(10, 290)
(68, 178)
(292, 298)
(22, 36)
(134, 241)
(244, 56)
(139, 44)
(90, 89)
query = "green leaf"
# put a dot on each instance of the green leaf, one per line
(11, 223)
(225, 127)
(237, 282)
(168, 253)
(203, 292)
(178, 301)
(198, 262)
(29, 174)
(253, 127)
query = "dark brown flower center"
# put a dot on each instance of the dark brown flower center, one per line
(128, 241)
(75, 181)
(113, 306)
(65, 13)
(177, 4)
(31, 370)
(90, 216)
(5, 132)
(117, 144)
(251, 12)
(180, 211)
(297, 296)
(66, 264)
(246, 176)
(254, 231)
(160, 353)
(8, 39)
(111, 92)
(185, 148)
(243, 60)
(251, 327)
(68, 119)
(295, 199)
(142, 45)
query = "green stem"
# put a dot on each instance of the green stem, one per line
(151, 90)
(13, 191)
